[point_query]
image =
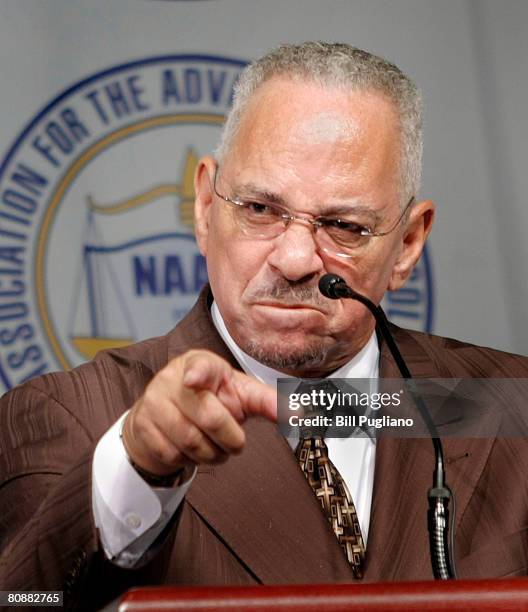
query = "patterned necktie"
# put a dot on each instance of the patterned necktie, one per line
(331, 490)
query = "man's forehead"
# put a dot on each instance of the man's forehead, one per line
(297, 95)
(343, 140)
(310, 112)
(327, 127)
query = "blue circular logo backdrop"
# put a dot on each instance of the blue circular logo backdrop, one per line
(97, 244)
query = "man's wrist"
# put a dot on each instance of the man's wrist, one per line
(153, 480)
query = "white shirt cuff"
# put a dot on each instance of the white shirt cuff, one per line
(125, 507)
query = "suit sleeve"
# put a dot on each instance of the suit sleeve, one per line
(48, 538)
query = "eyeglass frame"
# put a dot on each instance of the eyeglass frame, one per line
(289, 218)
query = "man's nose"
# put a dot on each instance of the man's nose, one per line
(295, 254)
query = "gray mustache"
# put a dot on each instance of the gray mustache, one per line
(291, 294)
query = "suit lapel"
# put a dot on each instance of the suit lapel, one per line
(398, 547)
(262, 507)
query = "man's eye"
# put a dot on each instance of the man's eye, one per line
(343, 225)
(258, 208)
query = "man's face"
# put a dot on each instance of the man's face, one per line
(317, 151)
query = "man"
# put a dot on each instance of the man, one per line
(161, 463)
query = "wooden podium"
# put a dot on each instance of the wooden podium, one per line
(481, 595)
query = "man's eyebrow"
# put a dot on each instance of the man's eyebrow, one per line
(346, 210)
(251, 190)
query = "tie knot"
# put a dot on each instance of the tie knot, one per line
(315, 412)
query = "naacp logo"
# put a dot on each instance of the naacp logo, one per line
(97, 245)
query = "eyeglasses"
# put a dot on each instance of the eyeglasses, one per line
(339, 236)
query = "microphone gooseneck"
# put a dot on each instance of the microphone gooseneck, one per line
(334, 287)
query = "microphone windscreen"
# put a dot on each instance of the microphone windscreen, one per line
(327, 285)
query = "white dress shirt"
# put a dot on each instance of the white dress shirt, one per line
(130, 514)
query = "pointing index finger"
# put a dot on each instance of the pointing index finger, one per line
(204, 370)
(256, 398)
(242, 395)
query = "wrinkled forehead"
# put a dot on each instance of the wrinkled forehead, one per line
(309, 112)
(320, 133)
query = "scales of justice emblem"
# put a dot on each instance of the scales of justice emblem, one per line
(116, 280)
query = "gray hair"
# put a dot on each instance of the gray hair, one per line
(344, 66)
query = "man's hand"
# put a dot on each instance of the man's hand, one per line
(191, 413)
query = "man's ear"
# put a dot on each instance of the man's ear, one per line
(417, 229)
(204, 194)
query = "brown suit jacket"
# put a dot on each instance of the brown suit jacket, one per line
(253, 519)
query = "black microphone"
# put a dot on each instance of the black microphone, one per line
(334, 287)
